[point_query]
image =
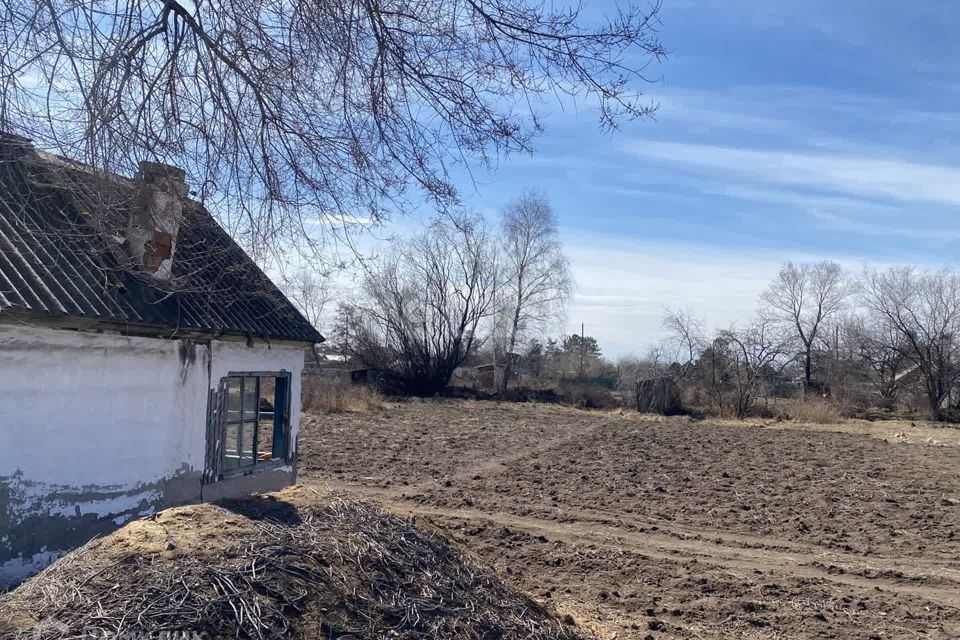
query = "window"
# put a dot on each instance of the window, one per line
(255, 428)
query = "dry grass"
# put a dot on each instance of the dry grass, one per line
(326, 395)
(894, 431)
(812, 411)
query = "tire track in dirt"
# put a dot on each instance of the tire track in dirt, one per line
(934, 582)
(491, 465)
(946, 570)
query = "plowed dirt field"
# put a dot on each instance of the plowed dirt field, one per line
(640, 527)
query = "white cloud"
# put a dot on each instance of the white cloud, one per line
(861, 176)
(929, 232)
(801, 199)
(341, 220)
(623, 289)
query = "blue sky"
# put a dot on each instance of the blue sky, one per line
(787, 131)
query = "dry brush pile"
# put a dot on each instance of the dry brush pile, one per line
(343, 569)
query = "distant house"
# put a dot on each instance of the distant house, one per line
(464, 377)
(145, 360)
(318, 364)
(490, 375)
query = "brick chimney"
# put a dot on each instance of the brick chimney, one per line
(155, 217)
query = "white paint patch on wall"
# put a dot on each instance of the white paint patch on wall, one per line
(40, 498)
(99, 409)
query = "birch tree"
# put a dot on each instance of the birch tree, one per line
(536, 280)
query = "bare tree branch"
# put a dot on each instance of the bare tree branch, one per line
(290, 116)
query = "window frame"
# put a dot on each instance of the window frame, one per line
(222, 421)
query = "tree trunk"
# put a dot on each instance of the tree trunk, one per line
(508, 367)
(934, 398)
(935, 412)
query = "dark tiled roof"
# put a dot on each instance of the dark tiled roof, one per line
(61, 231)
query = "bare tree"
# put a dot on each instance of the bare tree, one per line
(301, 118)
(881, 347)
(686, 331)
(714, 370)
(536, 278)
(631, 368)
(837, 365)
(756, 353)
(424, 305)
(923, 310)
(310, 291)
(804, 296)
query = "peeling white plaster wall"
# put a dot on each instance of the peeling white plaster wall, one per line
(99, 409)
(49, 499)
(96, 423)
(16, 570)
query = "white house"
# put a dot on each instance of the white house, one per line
(145, 360)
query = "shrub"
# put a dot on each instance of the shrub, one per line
(950, 414)
(331, 395)
(586, 396)
(658, 395)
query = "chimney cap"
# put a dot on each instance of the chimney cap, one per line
(152, 170)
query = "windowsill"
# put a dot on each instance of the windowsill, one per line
(269, 465)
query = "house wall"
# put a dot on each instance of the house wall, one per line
(98, 429)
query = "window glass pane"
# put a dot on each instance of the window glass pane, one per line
(231, 455)
(255, 428)
(270, 431)
(268, 387)
(268, 420)
(246, 443)
(250, 400)
(233, 399)
(264, 438)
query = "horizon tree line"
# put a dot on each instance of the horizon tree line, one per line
(852, 338)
